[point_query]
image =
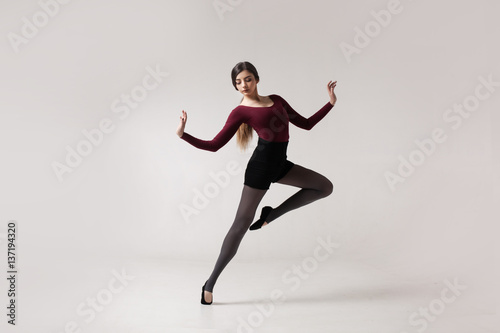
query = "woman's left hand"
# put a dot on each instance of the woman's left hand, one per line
(331, 86)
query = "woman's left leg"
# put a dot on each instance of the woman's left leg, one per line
(313, 186)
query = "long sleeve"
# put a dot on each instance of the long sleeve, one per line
(233, 122)
(306, 123)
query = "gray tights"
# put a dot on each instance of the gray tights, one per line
(313, 187)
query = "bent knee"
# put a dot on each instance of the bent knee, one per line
(326, 188)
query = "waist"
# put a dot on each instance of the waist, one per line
(270, 151)
(271, 143)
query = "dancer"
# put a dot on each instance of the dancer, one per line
(269, 117)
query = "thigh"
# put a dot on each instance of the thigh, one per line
(258, 175)
(250, 199)
(304, 178)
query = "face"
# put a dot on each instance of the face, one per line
(246, 83)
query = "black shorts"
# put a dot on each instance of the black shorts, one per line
(267, 165)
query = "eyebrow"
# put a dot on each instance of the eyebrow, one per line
(244, 78)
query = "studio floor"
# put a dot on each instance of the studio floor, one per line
(314, 294)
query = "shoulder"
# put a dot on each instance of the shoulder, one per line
(281, 100)
(239, 112)
(276, 97)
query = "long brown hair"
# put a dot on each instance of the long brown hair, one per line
(244, 135)
(245, 131)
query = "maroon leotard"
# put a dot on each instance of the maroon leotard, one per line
(270, 123)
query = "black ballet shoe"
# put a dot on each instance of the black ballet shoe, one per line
(263, 216)
(203, 296)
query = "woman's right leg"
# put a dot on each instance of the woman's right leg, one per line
(250, 199)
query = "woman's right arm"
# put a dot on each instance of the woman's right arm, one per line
(233, 122)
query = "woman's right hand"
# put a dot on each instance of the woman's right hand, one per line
(180, 129)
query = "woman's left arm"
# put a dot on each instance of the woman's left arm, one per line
(308, 123)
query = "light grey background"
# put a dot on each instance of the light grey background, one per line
(124, 200)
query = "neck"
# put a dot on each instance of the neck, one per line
(252, 98)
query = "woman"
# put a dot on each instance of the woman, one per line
(269, 117)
